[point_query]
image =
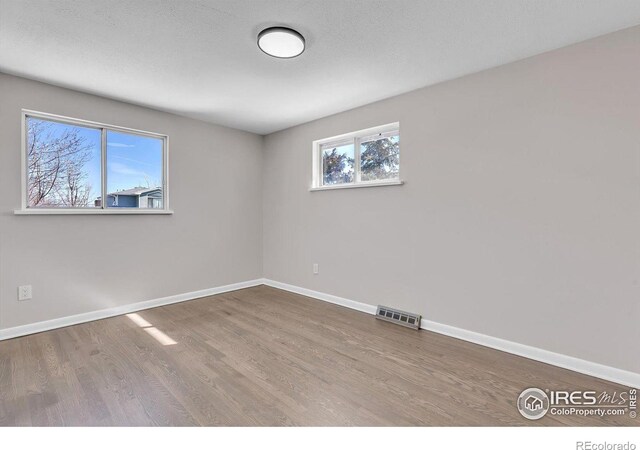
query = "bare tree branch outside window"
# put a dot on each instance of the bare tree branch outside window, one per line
(57, 176)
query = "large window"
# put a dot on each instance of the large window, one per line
(368, 157)
(79, 166)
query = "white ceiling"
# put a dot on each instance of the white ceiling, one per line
(199, 58)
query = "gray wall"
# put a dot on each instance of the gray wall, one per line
(79, 264)
(520, 216)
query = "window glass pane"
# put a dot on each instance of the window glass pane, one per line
(63, 165)
(134, 171)
(380, 158)
(337, 164)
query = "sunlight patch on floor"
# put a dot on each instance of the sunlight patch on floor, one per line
(151, 330)
(138, 320)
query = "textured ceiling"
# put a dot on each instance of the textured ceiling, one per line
(200, 59)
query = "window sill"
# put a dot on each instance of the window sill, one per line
(358, 185)
(90, 212)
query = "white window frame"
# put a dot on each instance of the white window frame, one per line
(355, 137)
(104, 128)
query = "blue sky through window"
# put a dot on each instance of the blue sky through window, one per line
(133, 161)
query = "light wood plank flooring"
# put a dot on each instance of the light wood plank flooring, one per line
(262, 356)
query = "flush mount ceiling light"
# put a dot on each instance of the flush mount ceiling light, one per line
(281, 42)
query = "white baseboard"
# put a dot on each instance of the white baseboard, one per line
(555, 359)
(38, 327)
(358, 306)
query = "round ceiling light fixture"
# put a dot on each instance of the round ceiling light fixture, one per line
(281, 42)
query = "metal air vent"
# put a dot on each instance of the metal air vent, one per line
(399, 317)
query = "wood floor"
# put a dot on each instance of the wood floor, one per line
(262, 356)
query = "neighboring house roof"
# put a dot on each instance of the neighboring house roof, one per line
(136, 191)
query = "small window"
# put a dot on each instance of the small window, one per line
(365, 158)
(76, 165)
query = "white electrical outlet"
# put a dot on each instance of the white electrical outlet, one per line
(25, 293)
(315, 269)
